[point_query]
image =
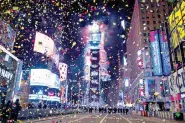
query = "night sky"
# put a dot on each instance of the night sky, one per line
(63, 21)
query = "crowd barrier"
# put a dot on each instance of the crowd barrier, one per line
(38, 113)
(161, 114)
(167, 115)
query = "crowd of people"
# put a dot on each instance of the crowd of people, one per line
(9, 111)
(43, 105)
(109, 110)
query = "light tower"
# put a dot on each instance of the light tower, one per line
(95, 38)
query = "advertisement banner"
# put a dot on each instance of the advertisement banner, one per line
(165, 54)
(54, 81)
(63, 71)
(8, 74)
(176, 22)
(7, 35)
(45, 45)
(155, 53)
(177, 82)
(151, 87)
(40, 77)
(94, 77)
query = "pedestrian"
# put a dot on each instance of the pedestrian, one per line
(127, 111)
(45, 106)
(16, 108)
(30, 106)
(95, 109)
(7, 112)
(40, 105)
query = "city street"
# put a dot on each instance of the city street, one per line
(101, 118)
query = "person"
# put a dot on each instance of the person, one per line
(127, 111)
(95, 109)
(115, 110)
(45, 106)
(7, 112)
(105, 110)
(30, 106)
(40, 105)
(16, 109)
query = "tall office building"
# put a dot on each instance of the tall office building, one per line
(147, 16)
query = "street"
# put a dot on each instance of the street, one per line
(100, 118)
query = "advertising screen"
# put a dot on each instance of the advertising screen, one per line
(165, 54)
(63, 71)
(94, 76)
(54, 82)
(177, 21)
(177, 82)
(44, 44)
(8, 74)
(7, 35)
(40, 77)
(151, 87)
(155, 53)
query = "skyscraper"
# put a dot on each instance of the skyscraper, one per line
(147, 16)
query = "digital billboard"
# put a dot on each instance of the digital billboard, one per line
(7, 35)
(54, 82)
(40, 77)
(9, 74)
(53, 94)
(63, 71)
(165, 54)
(176, 22)
(94, 76)
(151, 86)
(43, 44)
(155, 53)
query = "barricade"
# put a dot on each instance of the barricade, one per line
(39, 113)
(166, 115)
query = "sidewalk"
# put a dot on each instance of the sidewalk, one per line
(158, 119)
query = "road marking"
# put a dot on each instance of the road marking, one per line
(48, 118)
(126, 119)
(103, 119)
(79, 119)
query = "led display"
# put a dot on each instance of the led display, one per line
(155, 53)
(176, 21)
(165, 54)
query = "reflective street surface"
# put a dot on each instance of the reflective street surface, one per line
(101, 118)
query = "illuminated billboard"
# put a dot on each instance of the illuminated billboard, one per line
(165, 54)
(94, 76)
(177, 21)
(54, 81)
(10, 69)
(7, 35)
(44, 44)
(151, 86)
(40, 77)
(155, 53)
(63, 71)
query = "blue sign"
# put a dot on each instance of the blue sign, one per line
(151, 86)
(155, 53)
(165, 54)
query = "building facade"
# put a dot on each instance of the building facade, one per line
(176, 35)
(143, 83)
